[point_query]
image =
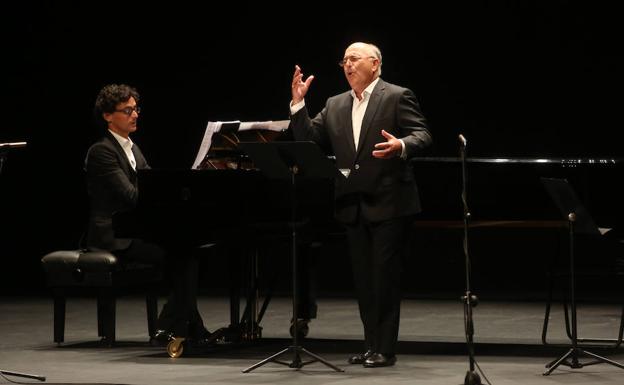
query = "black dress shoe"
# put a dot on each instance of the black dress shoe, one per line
(208, 340)
(359, 359)
(161, 338)
(200, 334)
(378, 360)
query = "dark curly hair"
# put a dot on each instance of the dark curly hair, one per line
(110, 96)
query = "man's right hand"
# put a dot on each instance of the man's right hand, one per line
(299, 87)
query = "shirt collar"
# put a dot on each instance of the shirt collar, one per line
(125, 143)
(367, 91)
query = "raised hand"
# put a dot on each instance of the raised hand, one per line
(299, 87)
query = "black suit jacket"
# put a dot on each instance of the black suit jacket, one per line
(112, 187)
(379, 189)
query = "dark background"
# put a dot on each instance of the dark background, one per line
(517, 78)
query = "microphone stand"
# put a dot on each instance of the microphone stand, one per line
(2, 158)
(4, 149)
(469, 299)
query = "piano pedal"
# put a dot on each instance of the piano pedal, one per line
(252, 335)
(241, 332)
(227, 335)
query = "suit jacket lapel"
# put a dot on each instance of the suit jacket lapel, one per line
(124, 158)
(139, 158)
(373, 104)
(346, 108)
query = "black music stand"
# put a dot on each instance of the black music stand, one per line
(579, 221)
(4, 150)
(285, 160)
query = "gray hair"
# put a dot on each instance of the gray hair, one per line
(377, 54)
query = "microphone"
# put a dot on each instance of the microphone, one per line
(463, 140)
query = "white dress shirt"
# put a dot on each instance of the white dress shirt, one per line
(126, 144)
(359, 108)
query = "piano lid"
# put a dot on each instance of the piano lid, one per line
(222, 138)
(510, 188)
(536, 161)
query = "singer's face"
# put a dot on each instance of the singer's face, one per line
(124, 120)
(359, 66)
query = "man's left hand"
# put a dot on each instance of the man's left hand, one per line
(388, 149)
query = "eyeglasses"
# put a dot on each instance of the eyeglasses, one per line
(129, 110)
(353, 59)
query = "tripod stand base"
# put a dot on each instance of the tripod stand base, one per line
(571, 359)
(296, 362)
(472, 378)
(23, 375)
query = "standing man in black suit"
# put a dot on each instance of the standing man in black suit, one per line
(111, 166)
(372, 129)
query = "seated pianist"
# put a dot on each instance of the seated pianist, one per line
(111, 166)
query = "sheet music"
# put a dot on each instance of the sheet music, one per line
(277, 125)
(604, 230)
(213, 127)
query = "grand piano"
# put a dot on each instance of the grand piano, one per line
(227, 201)
(227, 204)
(516, 232)
(510, 188)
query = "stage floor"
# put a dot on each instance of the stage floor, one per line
(431, 350)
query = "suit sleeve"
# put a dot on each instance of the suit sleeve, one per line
(103, 165)
(306, 129)
(412, 124)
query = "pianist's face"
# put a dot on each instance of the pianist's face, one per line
(123, 120)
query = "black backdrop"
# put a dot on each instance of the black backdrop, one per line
(537, 78)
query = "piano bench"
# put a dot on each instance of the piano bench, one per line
(100, 271)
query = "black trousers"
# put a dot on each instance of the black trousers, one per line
(376, 251)
(179, 314)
